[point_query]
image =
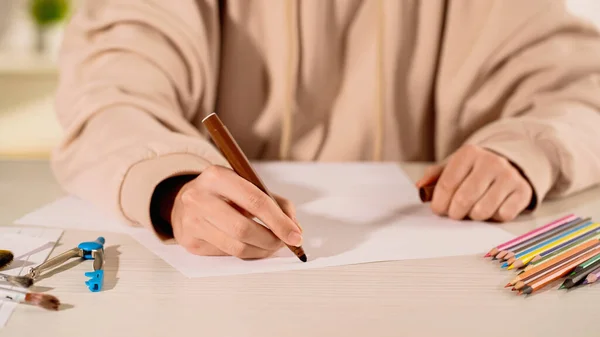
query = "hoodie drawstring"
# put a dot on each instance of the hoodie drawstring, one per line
(379, 101)
(379, 82)
(290, 90)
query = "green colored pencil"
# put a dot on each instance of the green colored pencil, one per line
(585, 264)
(577, 278)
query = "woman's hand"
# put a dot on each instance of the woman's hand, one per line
(478, 184)
(212, 215)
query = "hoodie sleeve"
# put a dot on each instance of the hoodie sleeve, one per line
(536, 67)
(133, 74)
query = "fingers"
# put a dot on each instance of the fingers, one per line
(289, 209)
(471, 190)
(232, 246)
(287, 206)
(186, 230)
(514, 205)
(432, 174)
(235, 225)
(202, 248)
(495, 196)
(228, 184)
(202, 238)
(481, 185)
(212, 217)
(455, 172)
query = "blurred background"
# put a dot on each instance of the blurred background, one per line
(30, 37)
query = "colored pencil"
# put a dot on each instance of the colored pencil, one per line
(577, 277)
(555, 275)
(519, 239)
(586, 264)
(550, 240)
(572, 253)
(563, 247)
(240, 164)
(545, 247)
(555, 265)
(524, 259)
(555, 232)
(592, 277)
(536, 261)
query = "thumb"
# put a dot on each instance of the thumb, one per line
(431, 175)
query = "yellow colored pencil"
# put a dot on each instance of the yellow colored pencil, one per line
(525, 259)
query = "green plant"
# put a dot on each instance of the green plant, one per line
(48, 12)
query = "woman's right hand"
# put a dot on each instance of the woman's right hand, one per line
(212, 215)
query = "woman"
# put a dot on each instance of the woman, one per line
(503, 93)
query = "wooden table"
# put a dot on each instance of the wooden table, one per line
(445, 297)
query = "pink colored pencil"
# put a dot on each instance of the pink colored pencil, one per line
(531, 234)
(592, 277)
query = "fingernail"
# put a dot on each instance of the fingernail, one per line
(295, 239)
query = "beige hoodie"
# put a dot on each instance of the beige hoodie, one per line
(323, 80)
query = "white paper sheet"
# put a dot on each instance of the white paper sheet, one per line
(351, 213)
(31, 246)
(20, 245)
(73, 213)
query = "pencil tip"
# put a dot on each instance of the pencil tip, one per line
(487, 255)
(567, 284)
(504, 265)
(510, 267)
(303, 258)
(507, 285)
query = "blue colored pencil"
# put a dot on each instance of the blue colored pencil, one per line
(581, 237)
(544, 243)
(545, 236)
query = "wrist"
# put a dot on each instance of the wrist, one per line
(163, 199)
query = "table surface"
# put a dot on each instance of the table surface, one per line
(144, 296)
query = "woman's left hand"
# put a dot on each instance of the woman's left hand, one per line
(478, 184)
